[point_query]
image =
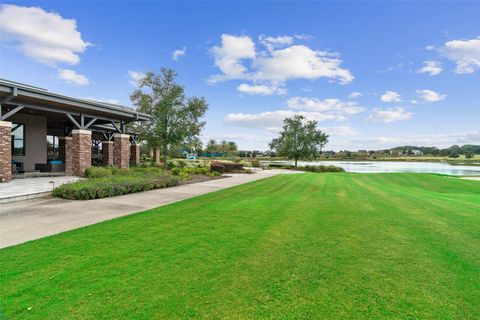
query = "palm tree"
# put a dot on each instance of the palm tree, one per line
(232, 147)
(223, 146)
(212, 146)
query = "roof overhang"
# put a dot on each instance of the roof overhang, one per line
(17, 94)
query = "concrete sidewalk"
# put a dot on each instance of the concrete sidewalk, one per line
(33, 219)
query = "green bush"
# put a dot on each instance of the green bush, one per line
(321, 168)
(98, 172)
(186, 172)
(96, 188)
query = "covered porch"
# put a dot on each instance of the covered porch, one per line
(43, 133)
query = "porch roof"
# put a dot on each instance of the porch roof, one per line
(18, 94)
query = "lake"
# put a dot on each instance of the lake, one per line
(397, 166)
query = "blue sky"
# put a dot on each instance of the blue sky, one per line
(373, 74)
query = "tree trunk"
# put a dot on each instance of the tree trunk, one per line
(165, 156)
(296, 160)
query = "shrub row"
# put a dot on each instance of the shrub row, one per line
(110, 186)
(321, 168)
(223, 167)
(103, 172)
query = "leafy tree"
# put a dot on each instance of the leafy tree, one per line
(175, 118)
(212, 146)
(223, 147)
(299, 139)
(232, 148)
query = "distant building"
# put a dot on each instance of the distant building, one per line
(417, 152)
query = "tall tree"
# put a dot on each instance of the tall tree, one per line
(175, 118)
(299, 139)
(212, 146)
(232, 148)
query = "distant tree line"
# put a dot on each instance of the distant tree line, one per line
(455, 151)
(468, 150)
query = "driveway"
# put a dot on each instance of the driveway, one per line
(37, 218)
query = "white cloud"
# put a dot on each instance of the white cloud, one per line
(430, 95)
(178, 53)
(43, 36)
(272, 120)
(229, 56)
(389, 115)
(465, 53)
(70, 76)
(310, 108)
(430, 48)
(272, 43)
(340, 131)
(390, 96)
(135, 76)
(237, 58)
(354, 95)
(431, 67)
(327, 105)
(300, 62)
(261, 89)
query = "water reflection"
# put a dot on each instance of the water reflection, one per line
(397, 166)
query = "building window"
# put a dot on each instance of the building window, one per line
(18, 139)
(52, 147)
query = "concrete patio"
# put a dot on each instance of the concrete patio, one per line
(29, 188)
(37, 218)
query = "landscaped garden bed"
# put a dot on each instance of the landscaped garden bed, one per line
(103, 182)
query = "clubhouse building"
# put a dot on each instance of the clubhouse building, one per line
(47, 133)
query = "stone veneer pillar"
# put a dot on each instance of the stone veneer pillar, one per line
(81, 151)
(121, 150)
(107, 153)
(135, 154)
(68, 156)
(156, 155)
(5, 151)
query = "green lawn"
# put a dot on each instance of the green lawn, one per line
(307, 246)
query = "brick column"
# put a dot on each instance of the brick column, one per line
(81, 151)
(107, 153)
(134, 154)
(68, 160)
(5, 151)
(121, 150)
(156, 155)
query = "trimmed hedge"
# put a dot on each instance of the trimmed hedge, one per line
(102, 172)
(223, 167)
(96, 188)
(321, 168)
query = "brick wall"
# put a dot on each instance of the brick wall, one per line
(107, 153)
(81, 151)
(134, 154)
(68, 155)
(5, 151)
(121, 150)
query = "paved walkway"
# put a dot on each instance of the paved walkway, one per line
(33, 219)
(22, 189)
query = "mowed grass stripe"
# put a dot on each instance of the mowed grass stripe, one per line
(335, 245)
